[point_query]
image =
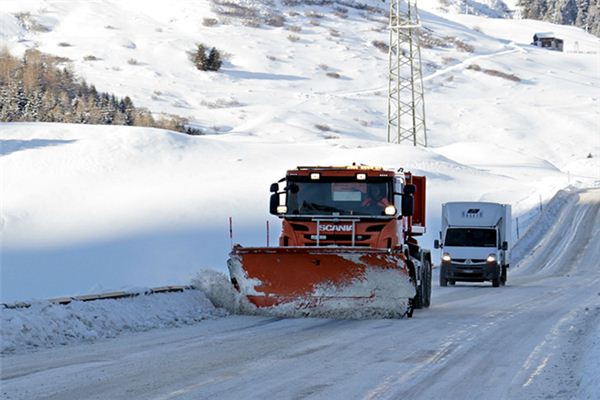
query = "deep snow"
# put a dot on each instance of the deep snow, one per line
(44, 324)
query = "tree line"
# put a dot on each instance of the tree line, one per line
(34, 88)
(582, 13)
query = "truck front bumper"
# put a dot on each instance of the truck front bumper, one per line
(470, 272)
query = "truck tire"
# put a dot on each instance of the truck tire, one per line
(496, 278)
(427, 283)
(418, 299)
(503, 276)
(443, 280)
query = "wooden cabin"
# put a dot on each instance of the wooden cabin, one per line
(547, 40)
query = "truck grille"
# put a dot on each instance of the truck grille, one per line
(340, 240)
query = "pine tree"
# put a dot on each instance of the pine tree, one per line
(214, 60)
(128, 109)
(4, 104)
(33, 88)
(34, 106)
(17, 100)
(568, 12)
(199, 59)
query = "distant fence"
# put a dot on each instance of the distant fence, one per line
(103, 296)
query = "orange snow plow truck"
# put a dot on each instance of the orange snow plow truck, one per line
(347, 244)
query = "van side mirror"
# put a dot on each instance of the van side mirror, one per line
(274, 203)
(436, 244)
(274, 187)
(505, 245)
(407, 206)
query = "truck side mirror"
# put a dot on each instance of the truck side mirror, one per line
(274, 187)
(410, 189)
(274, 203)
(436, 244)
(407, 205)
(505, 245)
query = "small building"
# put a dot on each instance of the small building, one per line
(547, 40)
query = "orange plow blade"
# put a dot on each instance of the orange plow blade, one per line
(324, 281)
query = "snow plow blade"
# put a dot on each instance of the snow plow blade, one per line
(300, 281)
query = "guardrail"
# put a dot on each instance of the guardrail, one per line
(103, 296)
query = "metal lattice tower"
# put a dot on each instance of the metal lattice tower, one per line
(406, 103)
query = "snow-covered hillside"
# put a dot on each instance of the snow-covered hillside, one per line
(93, 208)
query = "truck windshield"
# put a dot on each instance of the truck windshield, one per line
(470, 237)
(338, 198)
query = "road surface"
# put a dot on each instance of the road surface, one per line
(536, 338)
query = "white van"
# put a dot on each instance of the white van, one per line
(475, 242)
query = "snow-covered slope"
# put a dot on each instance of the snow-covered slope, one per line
(92, 208)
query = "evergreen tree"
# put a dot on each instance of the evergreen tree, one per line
(214, 60)
(128, 109)
(18, 100)
(568, 12)
(33, 88)
(582, 13)
(199, 58)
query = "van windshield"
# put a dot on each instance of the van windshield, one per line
(338, 198)
(470, 237)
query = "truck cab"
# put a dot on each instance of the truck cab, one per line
(355, 206)
(475, 242)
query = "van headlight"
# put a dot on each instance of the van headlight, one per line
(491, 258)
(446, 257)
(390, 210)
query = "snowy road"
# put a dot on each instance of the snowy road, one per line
(528, 340)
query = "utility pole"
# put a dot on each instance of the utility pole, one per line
(406, 102)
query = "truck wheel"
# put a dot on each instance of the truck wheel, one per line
(503, 276)
(427, 282)
(496, 278)
(418, 299)
(452, 282)
(443, 280)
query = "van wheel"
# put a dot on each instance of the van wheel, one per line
(443, 280)
(496, 278)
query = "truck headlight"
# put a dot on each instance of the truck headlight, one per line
(491, 258)
(446, 257)
(390, 210)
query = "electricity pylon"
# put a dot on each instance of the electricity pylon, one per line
(406, 103)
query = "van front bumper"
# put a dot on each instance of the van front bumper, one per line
(470, 272)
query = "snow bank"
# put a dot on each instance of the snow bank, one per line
(539, 227)
(45, 324)
(589, 388)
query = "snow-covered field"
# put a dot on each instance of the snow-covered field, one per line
(89, 209)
